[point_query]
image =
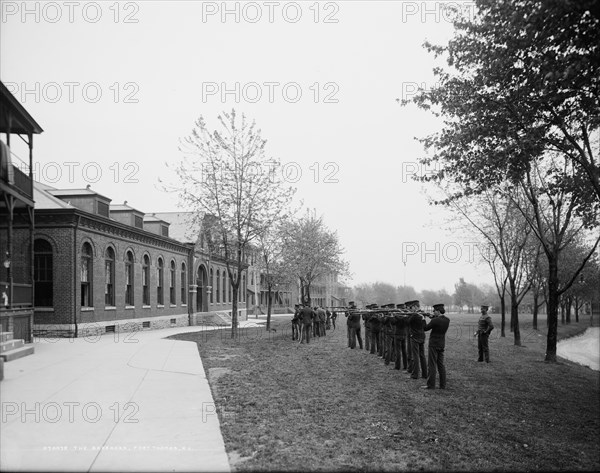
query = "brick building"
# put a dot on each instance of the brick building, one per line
(102, 268)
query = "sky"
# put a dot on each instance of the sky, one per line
(117, 85)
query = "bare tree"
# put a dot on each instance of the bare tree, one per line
(226, 174)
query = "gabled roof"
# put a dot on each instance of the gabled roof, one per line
(45, 200)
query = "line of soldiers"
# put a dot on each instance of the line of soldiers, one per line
(397, 332)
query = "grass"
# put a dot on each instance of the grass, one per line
(289, 406)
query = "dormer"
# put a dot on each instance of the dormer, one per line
(127, 215)
(156, 225)
(84, 199)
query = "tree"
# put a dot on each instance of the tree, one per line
(271, 263)
(523, 79)
(226, 175)
(311, 251)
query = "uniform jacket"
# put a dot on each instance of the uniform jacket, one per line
(375, 322)
(307, 315)
(438, 327)
(401, 327)
(354, 320)
(484, 324)
(416, 325)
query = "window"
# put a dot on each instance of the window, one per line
(138, 221)
(109, 277)
(212, 283)
(183, 284)
(103, 208)
(85, 275)
(146, 280)
(223, 285)
(243, 288)
(42, 273)
(129, 278)
(172, 284)
(218, 282)
(159, 283)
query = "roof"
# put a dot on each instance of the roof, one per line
(123, 208)
(76, 192)
(182, 226)
(21, 121)
(45, 200)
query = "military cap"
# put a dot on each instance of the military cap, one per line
(411, 303)
(484, 306)
(389, 306)
(351, 303)
(438, 306)
(400, 306)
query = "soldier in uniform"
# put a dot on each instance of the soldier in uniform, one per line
(416, 325)
(375, 324)
(307, 316)
(408, 340)
(296, 322)
(400, 328)
(484, 328)
(354, 325)
(366, 319)
(322, 315)
(437, 342)
(388, 336)
(328, 320)
(351, 307)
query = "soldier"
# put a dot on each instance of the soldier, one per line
(375, 324)
(307, 316)
(484, 328)
(321, 315)
(296, 322)
(387, 338)
(437, 342)
(354, 326)
(400, 328)
(366, 319)
(333, 317)
(328, 320)
(416, 325)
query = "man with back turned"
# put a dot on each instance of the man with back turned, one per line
(437, 342)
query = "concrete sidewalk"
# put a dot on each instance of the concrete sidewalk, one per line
(120, 402)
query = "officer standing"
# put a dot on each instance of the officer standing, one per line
(416, 325)
(354, 325)
(307, 316)
(437, 342)
(484, 328)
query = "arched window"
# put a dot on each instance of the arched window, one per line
(172, 284)
(218, 284)
(212, 283)
(86, 275)
(109, 277)
(129, 278)
(159, 282)
(183, 284)
(42, 273)
(146, 280)
(223, 276)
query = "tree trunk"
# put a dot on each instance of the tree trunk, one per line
(552, 309)
(503, 320)
(535, 310)
(562, 312)
(269, 305)
(234, 309)
(514, 313)
(568, 308)
(576, 309)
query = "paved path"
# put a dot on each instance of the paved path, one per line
(583, 349)
(120, 402)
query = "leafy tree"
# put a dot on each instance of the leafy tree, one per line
(311, 251)
(225, 174)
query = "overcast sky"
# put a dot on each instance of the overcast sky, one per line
(115, 85)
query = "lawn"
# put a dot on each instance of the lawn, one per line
(322, 406)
